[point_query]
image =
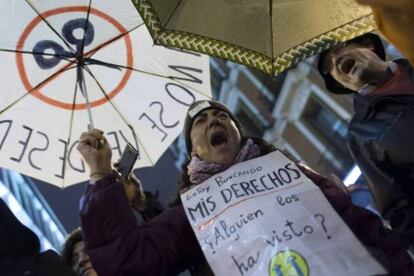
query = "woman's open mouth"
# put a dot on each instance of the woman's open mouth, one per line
(218, 138)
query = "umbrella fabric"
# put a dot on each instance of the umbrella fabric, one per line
(268, 35)
(57, 58)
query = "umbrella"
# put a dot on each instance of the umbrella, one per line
(268, 35)
(68, 64)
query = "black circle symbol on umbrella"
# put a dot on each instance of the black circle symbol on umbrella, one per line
(48, 54)
(68, 30)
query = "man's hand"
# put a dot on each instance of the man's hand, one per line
(96, 152)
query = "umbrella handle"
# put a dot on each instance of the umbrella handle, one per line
(91, 124)
(82, 86)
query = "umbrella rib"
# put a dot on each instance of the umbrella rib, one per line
(85, 28)
(51, 27)
(92, 61)
(271, 33)
(36, 87)
(137, 140)
(170, 16)
(62, 57)
(93, 51)
(80, 76)
(167, 21)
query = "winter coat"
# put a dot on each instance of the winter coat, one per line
(19, 250)
(167, 244)
(380, 138)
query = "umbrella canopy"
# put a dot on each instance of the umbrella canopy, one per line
(69, 63)
(268, 35)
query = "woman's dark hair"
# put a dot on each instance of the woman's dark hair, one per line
(184, 182)
(67, 251)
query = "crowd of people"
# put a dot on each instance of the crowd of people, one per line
(111, 242)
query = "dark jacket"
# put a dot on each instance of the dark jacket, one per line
(117, 245)
(19, 250)
(167, 244)
(381, 140)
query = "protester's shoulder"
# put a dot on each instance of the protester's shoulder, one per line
(333, 189)
(266, 147)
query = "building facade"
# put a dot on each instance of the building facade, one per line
(29, 206)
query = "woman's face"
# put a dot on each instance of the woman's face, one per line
(215, 137)
(81, 263)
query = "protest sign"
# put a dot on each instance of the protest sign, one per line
(264, 217)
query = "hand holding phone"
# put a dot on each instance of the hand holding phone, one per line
(127, 161)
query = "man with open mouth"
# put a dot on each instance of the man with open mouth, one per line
(381, 130)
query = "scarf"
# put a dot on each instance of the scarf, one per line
(199, 170)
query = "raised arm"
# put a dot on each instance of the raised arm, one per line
(115, 242)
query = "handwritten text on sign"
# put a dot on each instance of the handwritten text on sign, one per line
(264, 217)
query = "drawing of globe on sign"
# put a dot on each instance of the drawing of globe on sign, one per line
(68, 64)
(288, 263)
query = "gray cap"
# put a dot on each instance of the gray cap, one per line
(194, 110)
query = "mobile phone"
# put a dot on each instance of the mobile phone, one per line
(127, 161)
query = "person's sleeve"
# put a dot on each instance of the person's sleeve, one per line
(394, 153)
(395, 146)
(365, 225)
(371, 159)
(118, 246)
